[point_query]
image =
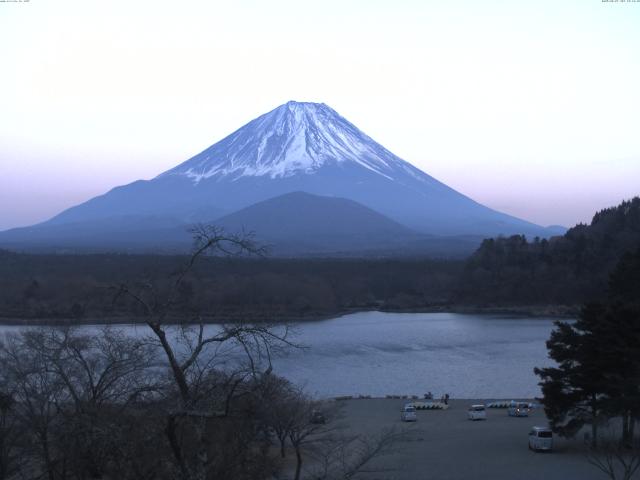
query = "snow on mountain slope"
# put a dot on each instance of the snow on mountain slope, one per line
(291, 139)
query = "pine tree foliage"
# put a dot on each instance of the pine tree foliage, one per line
(597, 376)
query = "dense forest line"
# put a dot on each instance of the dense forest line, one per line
(83, 287)
(565, 270)
(504, 273)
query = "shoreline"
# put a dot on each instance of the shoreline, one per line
(417, 398)
(527, 311)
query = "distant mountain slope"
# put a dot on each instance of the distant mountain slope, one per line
(301, 147)
(134, 233)
(293, 224)
(568, 269)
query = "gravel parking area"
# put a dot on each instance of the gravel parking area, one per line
(444, 445)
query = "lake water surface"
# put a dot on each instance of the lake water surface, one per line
(375, 353)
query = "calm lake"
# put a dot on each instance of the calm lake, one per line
(375, 353)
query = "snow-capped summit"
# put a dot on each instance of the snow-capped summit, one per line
(294, 138)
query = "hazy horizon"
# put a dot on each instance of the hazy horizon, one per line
(530, 109)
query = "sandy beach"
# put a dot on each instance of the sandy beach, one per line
(445, 445)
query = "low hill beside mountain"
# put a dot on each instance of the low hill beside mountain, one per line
(568, 269)
(302, 224)
(299, 223)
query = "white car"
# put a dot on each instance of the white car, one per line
(540, 439)
(477, 412)
(408, 413)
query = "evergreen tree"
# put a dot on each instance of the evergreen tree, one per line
(623, 318)
(598, 360)
(574, 392)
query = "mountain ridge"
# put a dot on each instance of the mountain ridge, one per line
(298, 146)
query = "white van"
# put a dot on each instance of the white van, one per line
(518, 409)
(408, 413)
(477, 412)
(540, 439)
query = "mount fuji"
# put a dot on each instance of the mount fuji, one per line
(297, 147)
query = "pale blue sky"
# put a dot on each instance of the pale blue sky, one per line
(530, 107)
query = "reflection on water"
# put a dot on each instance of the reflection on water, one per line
(374, 353)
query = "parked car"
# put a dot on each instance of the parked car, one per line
(519, 409)
(408, 413)
(477, 412)
(540, 439)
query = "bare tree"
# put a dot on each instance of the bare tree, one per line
(342, 457)
(316, 433)
(11, 438)
(618, 460)
(277, 394)
(37, 393)
(101, 373)
(193, 352)
(304, 429)
(68, 393)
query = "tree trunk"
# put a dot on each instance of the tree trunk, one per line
(282, 445)
(176, 369)
(626, 442)
(174, 443)
(200, 426)
(298, 462)
(594, 422)
(44, 442)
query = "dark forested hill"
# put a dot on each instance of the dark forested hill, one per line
(79, 288)
(569, 269)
